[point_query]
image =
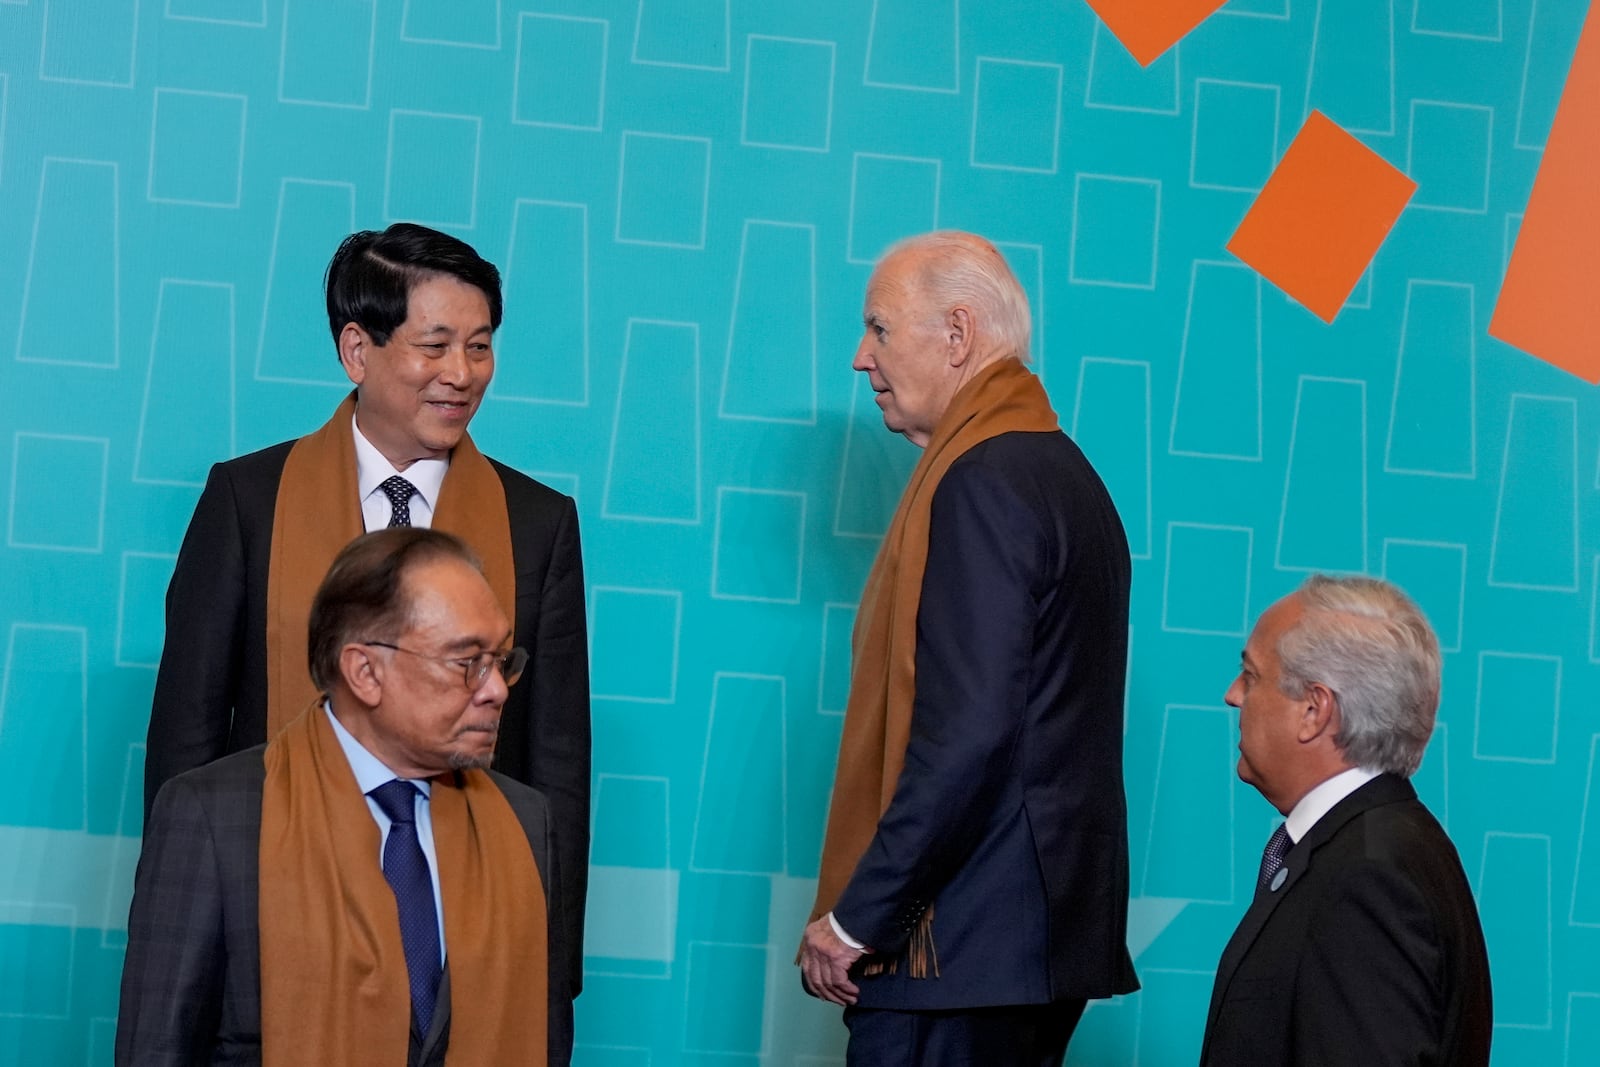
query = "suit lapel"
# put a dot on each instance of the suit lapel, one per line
(1384, 789)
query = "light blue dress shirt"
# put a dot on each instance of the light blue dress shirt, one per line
(370, 774)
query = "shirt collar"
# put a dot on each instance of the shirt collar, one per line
(370, 771)
(373, 469)
(1317, 803)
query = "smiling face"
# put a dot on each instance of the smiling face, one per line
(905, 351)
(426, 719)
(416, 394)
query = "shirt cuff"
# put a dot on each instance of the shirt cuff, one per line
(838, 932)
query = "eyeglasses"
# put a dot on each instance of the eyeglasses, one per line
(474, 669)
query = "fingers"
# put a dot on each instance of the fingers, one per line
(826, 976)
(834, 990)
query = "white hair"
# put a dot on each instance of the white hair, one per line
(1368, 642)
(954, 267)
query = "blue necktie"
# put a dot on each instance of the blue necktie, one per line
(407, 871)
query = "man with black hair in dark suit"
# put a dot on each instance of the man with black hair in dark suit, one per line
(1362, 945)
(413, 313)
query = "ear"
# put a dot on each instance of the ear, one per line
(1319, 716)
(362, 673)
(958, 334)
(353, 345)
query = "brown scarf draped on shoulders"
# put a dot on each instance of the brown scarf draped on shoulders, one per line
(334, 987)
(1002, 398)
(318, 513)
(333, 970)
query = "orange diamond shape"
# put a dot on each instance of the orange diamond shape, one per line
(1147, 28)
(1547, 304)
(1321, 216)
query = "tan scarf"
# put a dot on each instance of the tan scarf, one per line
(333, 970)
(318, 512)
(1001, 398)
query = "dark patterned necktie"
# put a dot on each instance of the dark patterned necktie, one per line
(1272, 855)
(399, 491)
(407, 871)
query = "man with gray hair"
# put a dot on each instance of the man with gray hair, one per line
(1362, 944)
(973, 889)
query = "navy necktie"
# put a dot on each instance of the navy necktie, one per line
(1272, 855)
(407, 871)
(399, 491)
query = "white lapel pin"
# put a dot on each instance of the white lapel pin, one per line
(1279, 878)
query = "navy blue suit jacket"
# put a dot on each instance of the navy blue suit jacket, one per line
(1009, 817)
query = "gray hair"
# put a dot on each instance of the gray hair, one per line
(1368, 642)
(962, 268)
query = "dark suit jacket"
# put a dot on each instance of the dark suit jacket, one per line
(210, 696)
(191, 983)
(1370, 953)
(1009, 817)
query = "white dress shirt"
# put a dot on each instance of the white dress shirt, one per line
(838, 931)
(370, 773)
(372, 470)
(1317, 803)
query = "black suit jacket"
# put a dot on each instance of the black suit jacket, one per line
(191, 982)
(1009, 817)
(1369, 953)
(210, 696)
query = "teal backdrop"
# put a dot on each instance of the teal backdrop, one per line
(686, 197)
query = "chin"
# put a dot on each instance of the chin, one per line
(471, 761)
(441, 432)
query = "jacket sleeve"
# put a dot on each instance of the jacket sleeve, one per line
(559, 1010)
(198, 678)
(559, 733)
(975, 626)
(172, 977)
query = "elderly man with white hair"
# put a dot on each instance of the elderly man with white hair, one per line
(974, 880)
(1362, 944)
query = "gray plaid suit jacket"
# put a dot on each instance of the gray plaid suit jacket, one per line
(191, 983)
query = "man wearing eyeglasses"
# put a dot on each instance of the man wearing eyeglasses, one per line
(362, 889)
(413, 314)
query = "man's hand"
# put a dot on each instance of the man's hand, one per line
(825, 964)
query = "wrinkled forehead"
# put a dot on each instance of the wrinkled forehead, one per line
(896, 277)
(1276, 621)
(452, 602)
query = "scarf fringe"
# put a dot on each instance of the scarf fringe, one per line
(920, 952)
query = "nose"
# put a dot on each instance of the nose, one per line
(1234, 697)
(863, 360)
(454, 369)
(494, 689)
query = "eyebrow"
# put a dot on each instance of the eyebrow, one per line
(440, 328)
(462, 644)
